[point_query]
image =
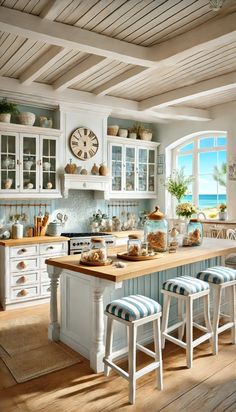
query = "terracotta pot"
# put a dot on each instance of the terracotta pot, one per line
(95, 170)
(71, 168)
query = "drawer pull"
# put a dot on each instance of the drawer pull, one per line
(84, 184)
(23, 292)
(23, 279)
(50, 247)
(22, 265)
(23, 250)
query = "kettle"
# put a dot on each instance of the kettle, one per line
(54, 228)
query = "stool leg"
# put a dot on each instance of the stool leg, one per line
(216, 316)
(157, 346)
(165, 318)
(108, 348)
(207, 318)
(189, 331)
(132, 362)
(233, 313)
(181, 318)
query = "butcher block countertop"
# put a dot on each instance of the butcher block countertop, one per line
(184, 255)
(32, 240)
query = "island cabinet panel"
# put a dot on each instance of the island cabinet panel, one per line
(23, 273)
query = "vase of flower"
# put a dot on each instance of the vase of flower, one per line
(185, 211)
(222, 211)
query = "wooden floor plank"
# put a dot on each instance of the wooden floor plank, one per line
(211, 381)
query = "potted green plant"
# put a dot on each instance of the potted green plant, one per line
(6, 110)
(222, 211)
(177, 184)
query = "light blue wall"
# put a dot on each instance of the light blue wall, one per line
(53, 114)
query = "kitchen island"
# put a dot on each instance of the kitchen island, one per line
(85, 292)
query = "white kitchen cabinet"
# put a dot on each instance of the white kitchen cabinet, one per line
(23, 273)
(133, 168)
(29, 162)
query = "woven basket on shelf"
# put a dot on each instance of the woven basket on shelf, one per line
(112, 130)
(27, 118)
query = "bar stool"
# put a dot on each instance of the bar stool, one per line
(219, 278)
(186, 289)
(133, 311)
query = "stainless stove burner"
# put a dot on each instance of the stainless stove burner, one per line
(79, 240)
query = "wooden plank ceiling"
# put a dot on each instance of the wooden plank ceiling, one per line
(146, 52)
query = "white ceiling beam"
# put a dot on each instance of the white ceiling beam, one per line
(205, 36)
(183, 94)
(182, 113)
(53, 8)
(43, 64)
(209, 34)
(64, 35)
(78, 73)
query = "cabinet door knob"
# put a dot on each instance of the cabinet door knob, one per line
(22, 265)
(50, 247)
(23, 279)
(23, 292)
(23, 250)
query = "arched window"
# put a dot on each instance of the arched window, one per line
(201, 156)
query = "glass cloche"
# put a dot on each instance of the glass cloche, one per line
(156, 230)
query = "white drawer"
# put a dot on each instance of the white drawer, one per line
(24, 250)
(43, 265)
(25, 292)
(25, 279)
(23, 265)
(52, 248)
(44, 276)
(45, 289)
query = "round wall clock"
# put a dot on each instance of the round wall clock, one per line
(84, 143)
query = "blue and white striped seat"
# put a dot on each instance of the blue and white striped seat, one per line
(133, 307)
(185, 285)
(217, 274)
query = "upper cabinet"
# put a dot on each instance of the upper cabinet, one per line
(133, 168)
(29, 162)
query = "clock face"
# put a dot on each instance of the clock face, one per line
(84, 143)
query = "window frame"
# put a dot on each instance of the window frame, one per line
(195, 139)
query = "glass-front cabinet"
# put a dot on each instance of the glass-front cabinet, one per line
(28, 165)
(133, 168)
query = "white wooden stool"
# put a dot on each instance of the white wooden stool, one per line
(186, 289)
(219, 278)
(133, 311)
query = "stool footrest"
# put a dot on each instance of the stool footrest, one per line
(149, 368)
(202, 339)
(200, 327)
(120, 371)
(225, 327)
(175, 326)
(174, 340)
(146, 350)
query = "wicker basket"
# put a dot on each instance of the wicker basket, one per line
(145, 135)
(112, 130)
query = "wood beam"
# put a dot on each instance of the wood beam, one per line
(183, 94)
(82, 70)
(72, 37)
(182, 113)
(41, 65)
(53, 8)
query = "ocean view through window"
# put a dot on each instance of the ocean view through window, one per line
(205, 158)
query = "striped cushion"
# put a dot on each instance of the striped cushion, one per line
(217, 274)
(133, 307)
(185, 285)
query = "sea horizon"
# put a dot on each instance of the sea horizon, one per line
(208, 201)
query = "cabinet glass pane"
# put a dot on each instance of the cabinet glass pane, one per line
(142, 155)
(49, 164)
(151, 180)
(142, 177)
(151, 156)
(129, 169)
(8, 162)
(116, 175)
(117, 153)
(29, 163)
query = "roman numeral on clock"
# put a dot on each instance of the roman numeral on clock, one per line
(85, 155)
(79, 153)
(75, 143)
(91, 152)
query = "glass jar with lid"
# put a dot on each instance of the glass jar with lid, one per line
(96, 253)
(155, 231)
(194, 233)
(133, 245)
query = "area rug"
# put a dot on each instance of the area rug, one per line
(26, 350)
(40, 361)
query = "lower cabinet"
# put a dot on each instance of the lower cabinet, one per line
(24, 279)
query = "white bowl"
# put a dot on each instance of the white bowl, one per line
(27, 118)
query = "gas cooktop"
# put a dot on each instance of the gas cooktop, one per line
(85, 234)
